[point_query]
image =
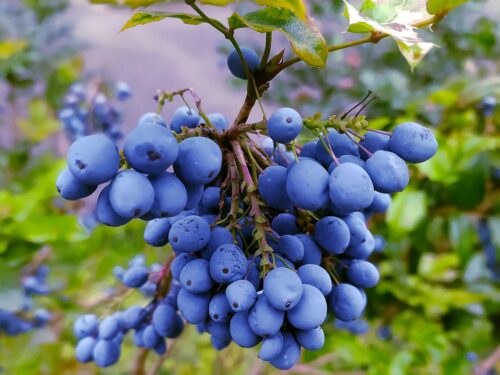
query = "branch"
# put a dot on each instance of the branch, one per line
(140, 362)
(489, 363)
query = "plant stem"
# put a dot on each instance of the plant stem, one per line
(267, 50)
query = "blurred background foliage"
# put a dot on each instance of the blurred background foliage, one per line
(439, 297)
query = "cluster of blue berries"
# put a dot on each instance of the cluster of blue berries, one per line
(100, 340)
(84, 114)
(260, 257)
(18, 322)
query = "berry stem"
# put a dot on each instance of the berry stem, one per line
(260, 221)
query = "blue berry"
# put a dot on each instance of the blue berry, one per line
(135, 276)
(156, 232)
(312, 252)
(381, 202)
(218, 236)
(228, 264)
(84, 349)
(193, 307)
(313, 339)
(373, 141)
(199, 161)
(282, 288)
(70, 188)
(264, 319)
(106, 353)
(179, 262)
(284, 125)
(93, 159)
(170, 195)
(184, 117)
(271, 347)
(387, 171)
(271, 185)
(195, 276)
(241, 332)
(291, 247)
(285, 223)
(341, 144)
(413, 142)
(307, 185)
(85, 325)
(302, 316)
(363, 274)
(351, 189)
(131, 194)
(219, 309)
(332, 234)
(189, 235)
(219, 121)
(151, 118)
(346, 302)
(236, 66)
(289, 355)
(316, 276)
(150, 149)
(163, 319)
(241, 295)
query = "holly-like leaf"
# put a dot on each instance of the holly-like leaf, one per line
(305, 38)
(396, 19)
(443, 6)
(142, 18)
(298, 7)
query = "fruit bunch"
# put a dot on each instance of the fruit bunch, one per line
(100, 341)
(26, 319)
(84, 113)
(267, 236)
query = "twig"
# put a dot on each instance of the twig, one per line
(489, 362)
(140, 362)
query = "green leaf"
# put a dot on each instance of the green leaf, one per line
(217, 2)
(438, 267)
(298, 7)
(142, 18)
(443, 6)
(407, 210)
(385, 17)
(305, 38)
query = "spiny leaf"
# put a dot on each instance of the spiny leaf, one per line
(142, 18)
(305, 38)
(396, 24)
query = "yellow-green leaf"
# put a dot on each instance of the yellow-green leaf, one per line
(305, 38)
(408, 208)
(142, 18)
(298, 7)
(217, 2)
(443, 6)
(40, 122)
(11, 47)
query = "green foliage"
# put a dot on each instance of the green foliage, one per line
(306, 40)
